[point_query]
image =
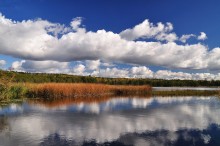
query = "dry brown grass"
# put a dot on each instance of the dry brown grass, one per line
(62, 90)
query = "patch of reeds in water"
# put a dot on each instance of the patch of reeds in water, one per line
(63, 90)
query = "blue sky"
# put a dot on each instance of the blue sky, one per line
(187, 17)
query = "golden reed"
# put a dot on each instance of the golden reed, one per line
(76, 90)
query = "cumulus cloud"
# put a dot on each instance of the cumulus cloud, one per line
(41, 40)
(93, 64)
(41, 66)
(141, 72)
(185, 37)
(2, 62)
(96, 68)
(112, 72)
(146, 29)
(166, 74)
(144, 72)
(166, 37)
(133, 72)
(17, 65)
(79, 69)
(213, 59)
(202, 36)
(76, 24)
(108, 64)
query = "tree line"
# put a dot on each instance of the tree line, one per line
(23, 77)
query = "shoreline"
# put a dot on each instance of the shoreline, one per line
(92, 92)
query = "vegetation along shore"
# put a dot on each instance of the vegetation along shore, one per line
(18, 85)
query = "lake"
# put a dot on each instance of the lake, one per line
(184, 88)
(130, 121)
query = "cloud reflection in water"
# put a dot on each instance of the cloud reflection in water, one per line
(171, 118)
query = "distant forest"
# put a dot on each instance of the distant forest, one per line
(20, 77)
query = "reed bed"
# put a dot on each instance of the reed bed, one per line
(78, 90)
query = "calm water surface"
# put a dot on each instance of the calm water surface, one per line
(156, 121)
(184, 88)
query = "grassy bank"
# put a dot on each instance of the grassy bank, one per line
(13, 92)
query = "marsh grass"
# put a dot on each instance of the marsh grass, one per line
(85, 91)
(9, 90)
(64, 90)
(13, 92)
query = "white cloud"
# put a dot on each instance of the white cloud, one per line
(144, 72)
(48, 67)
(149, 30)
(41, 66)
(167, 37)
(202, 36)
(165, 74)
(107, 64)
(141, 72)
(57, 29)
(76, 23)
(93, 64)
(37, 40)
(213, 59)
(111, 72)
(79, 69)
(185, 37)
(134, 72)
(17, 65)
(2, 62)
(92, 68)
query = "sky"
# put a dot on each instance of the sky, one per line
(111, 38)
